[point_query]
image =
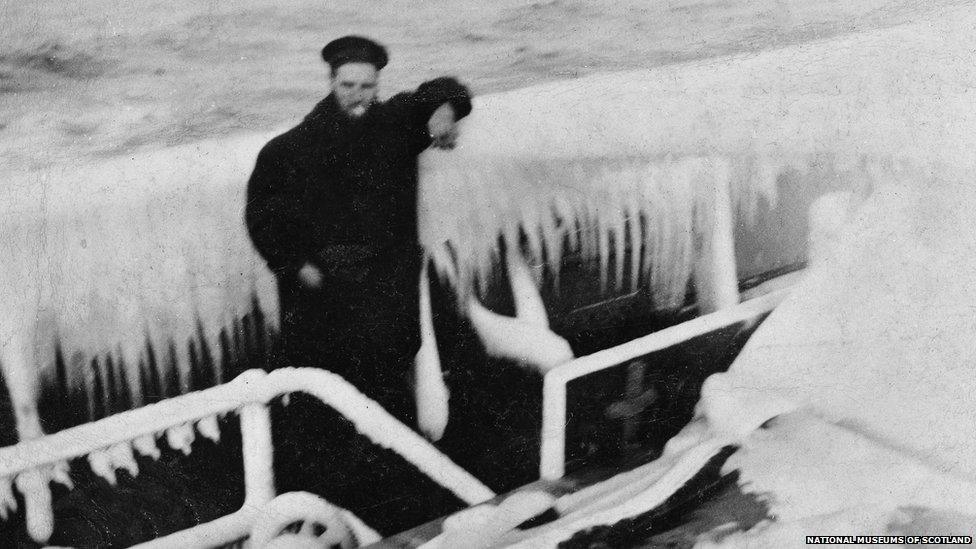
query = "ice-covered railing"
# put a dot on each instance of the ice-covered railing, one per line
(112, 443)
(649, 172)
(108, 257)
(624, 166)
(554, 413)
(851, 404)
(485, 525)
(827, 219)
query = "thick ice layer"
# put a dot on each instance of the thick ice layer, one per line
(100, 257)
(647, 147)
(869, 364)
(879, 336)
(866, 372)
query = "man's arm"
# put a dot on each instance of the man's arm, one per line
(435, 108)
(435, 93)
(442, 127)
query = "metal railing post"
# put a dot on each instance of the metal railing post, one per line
(552, 458)
(258, 454)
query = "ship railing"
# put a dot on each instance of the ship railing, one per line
(110, 444)
(552, 463)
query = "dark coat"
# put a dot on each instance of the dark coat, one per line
(341, 193)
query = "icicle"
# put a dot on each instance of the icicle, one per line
(101, 465)
(553, 231)
(123, 389)
(77, 381)
(514, 339)
(39, 517)
(589, 237)
(206, 337)
(715, 275)
(228, 357)
(635, 249)
(569, 218)
(130, 357)
(648, 200)
(511, 238)
(99, 398)
(236, 340)
(620, 248)
(61, 473)
(528, 303)
(146, 446)
(149, 372)
(122, 458)
(248, 325)
(184, 367)
(209, 428)
(111, 386)
(766, 180)
(8, 502)
(532, 227)
(603, 250)
(431, 393)
(444, 264)
(180, 438)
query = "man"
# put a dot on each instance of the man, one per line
(332, 208)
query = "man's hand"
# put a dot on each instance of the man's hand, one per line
(310, 277)
(443, 127)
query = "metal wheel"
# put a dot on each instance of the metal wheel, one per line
(299, 520)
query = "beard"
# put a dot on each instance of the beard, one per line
(358, 110)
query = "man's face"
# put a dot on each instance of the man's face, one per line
(354, 87)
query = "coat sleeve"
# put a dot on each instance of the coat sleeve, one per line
(418, 106)
(273, 213)
(434, 93)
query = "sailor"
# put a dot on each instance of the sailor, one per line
(332, 208)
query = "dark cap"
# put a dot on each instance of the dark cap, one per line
(354, 49)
